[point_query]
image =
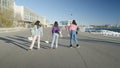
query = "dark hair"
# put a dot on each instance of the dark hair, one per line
(37, 23)
(74, 22)
(56, 24)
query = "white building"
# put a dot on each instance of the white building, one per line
(25, 16)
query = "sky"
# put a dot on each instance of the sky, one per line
(85, 12)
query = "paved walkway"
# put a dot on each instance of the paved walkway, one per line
(95, 52)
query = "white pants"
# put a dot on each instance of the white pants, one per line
(33, 41)
(55, 40)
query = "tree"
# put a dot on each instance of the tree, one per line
(6, 17)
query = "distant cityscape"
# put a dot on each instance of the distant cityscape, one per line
(106, 26)
(63, 23)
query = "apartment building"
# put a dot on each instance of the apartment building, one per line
(25, 16)
(18, 16)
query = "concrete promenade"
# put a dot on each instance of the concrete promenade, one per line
(95, 52)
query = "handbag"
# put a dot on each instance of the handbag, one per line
(30, 38)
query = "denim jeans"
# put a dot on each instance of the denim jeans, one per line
(73, 36)
(55, 39)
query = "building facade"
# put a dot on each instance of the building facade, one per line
(7, 4)
(18, 16)
(24, 16)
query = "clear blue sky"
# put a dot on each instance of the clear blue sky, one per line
(86, 12)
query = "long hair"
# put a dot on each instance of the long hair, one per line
(74, 22)
(56, 24)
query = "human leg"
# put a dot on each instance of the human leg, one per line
(76, 40)
(53, 40)
(71, 37)
(56, 40)
(33, 42)
(38, 37)
(75, 37)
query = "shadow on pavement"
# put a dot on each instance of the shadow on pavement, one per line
(15, 41)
